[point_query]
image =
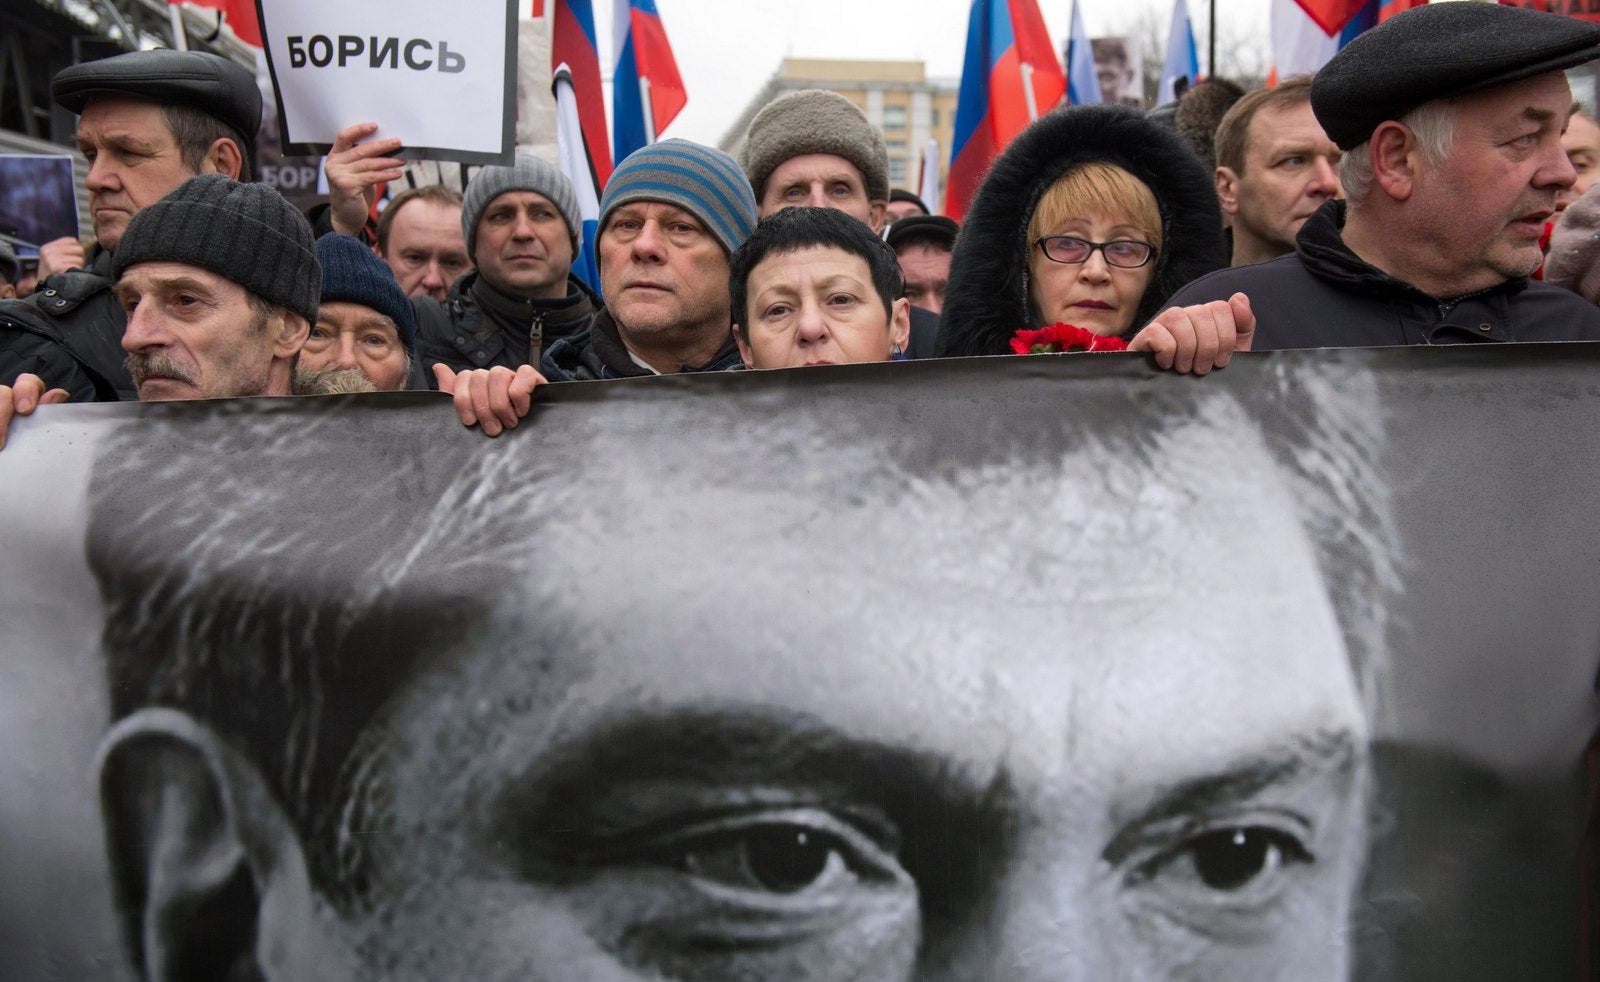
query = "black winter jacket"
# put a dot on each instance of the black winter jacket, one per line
(477, 326)
(986, 301)
(1324, 296)
(600, 354)
(69, 333)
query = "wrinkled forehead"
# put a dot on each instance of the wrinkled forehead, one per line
(803, 515)
(815, 167)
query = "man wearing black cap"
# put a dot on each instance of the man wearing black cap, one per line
(923, 244)
(1450, 118)
(148, 120)
(904, 204)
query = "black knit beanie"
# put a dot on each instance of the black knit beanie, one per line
(245, 232)
(352, 272)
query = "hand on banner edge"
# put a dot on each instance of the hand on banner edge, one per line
(22, 397)
(495, 399)
(1198, 338)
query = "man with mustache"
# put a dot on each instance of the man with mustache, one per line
(1450, 118)
(220, 282)
(147, 121)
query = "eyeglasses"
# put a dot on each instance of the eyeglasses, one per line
(1126, 253)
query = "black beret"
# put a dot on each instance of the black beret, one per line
(208, 82)
(922, 228)
(1436, 51)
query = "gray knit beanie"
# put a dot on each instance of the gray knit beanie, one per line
(245, 232)
(701, 180)
(527, 174)
(815, 121)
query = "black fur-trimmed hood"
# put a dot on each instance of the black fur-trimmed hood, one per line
(986, 299)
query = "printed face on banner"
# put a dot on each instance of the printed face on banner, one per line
(1087, 724)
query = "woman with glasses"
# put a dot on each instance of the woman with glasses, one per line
(1092, 217)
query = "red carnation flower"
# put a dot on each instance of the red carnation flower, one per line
(1063, 337)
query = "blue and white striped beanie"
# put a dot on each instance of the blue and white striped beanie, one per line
(702, 180)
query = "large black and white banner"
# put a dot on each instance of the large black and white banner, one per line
(1052, 668)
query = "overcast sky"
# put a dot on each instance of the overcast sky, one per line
(727, 49)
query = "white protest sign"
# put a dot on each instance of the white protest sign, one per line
(440, 76)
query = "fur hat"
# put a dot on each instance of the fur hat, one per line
(526, 174)
(245, 232)
(815, 121)
(1436, 51)
(354, 273)
(702, 180)
(986, 301)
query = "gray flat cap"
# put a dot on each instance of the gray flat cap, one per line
(207, 82)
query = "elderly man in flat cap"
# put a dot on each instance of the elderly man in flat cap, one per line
(147, 121)
(1450, 118)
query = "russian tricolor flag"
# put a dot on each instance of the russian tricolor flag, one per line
(1010, 76)
(1306, 33)
(1183, 60)
(575, 163)
(647, 91)
(572, 46)
(240, 15)
(1083, 82)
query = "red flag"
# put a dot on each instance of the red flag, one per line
(1011, 75)
(572, 44)
(240, 15)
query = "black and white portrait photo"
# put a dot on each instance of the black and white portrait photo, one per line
(1035, 668)
(1119, 64)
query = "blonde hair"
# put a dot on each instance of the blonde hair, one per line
(1100, 189)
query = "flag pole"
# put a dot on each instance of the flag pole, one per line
(1027, 90)
(1211, 43)
(647, 110)
(180, 38)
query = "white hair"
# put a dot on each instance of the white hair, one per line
(1434, 126)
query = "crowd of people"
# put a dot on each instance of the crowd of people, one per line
(1390, 199)
(300, 720)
